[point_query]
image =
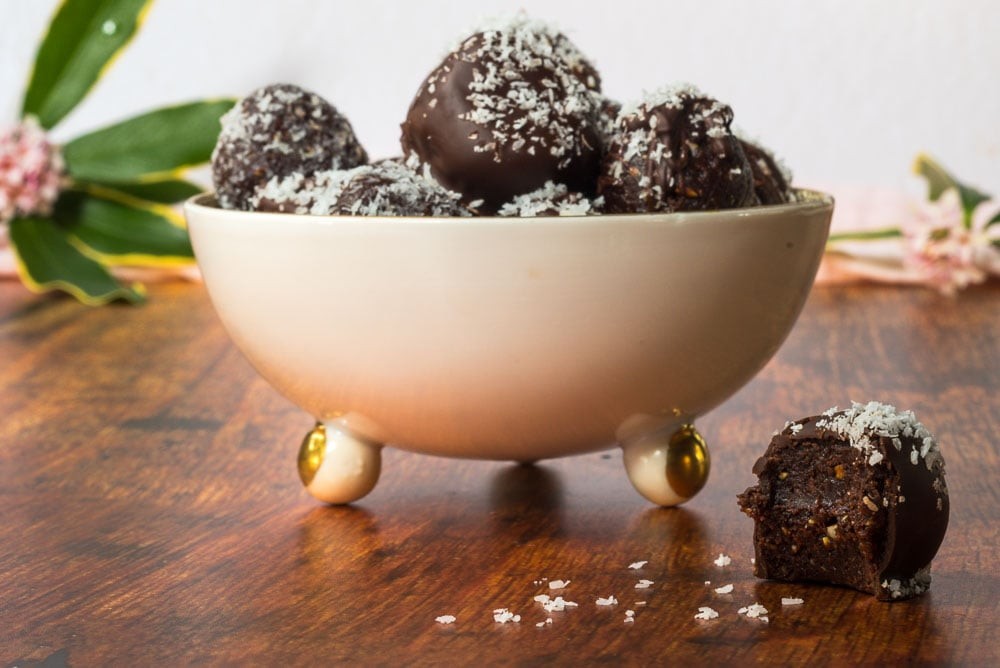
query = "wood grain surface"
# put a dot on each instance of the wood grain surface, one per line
(152, 515)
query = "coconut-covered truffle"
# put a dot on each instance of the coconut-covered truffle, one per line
(276, 131)
(513, 106)
(852, 497)
(674, 151)
(384, 189)
(771, 181)
(552, 199)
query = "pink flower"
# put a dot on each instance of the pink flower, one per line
(30, 171)
(946, 254)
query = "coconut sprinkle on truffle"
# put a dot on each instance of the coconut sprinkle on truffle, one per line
(861, 422)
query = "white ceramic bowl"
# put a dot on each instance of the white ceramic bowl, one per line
(505, 338)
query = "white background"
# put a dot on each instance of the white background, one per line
(846, 92)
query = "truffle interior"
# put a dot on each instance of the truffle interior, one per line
(816, 514)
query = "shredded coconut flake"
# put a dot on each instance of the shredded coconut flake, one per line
(754, 611)
(445, 619)
(558, 604)
(643, 584)
(722, 560)
(791, 601)
(705, 612)
(862, 422)
(503, 615)
(610, 600)
(558, 584)
(724, 589)
(636, 565)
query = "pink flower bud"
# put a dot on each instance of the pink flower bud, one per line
(31, 169)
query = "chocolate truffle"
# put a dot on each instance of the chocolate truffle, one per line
(386, 189)
(852, 497)
(276, 131)
(674, 151)
(552, 199)
(607, 119)
(506, 111)
(770, 179)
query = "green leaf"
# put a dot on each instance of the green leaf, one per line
(156, 145)
(124, 231)
(47, 260)
(83, 39)
(163, 191)
(867, 235)
(939, 181)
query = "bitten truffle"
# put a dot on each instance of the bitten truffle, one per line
(552, 199)
(276, 131)
(852, 497)
(510, 108)
(388, 188)
(674, 151)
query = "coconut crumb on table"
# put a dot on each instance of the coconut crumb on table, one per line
(754, 611)
(724, 589)
(610, 600)
(557, 604)
(445, 619)
(705, 612)
(643, 584)
(791, 601)
(723, 560)
(558, 584)
(636, 565)
(503, 615)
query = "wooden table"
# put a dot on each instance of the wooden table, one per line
(152, 515)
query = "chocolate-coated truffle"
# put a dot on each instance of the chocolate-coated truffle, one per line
(854, 498)
(552, 199)
(276, 131)
(674, 151)
(505, 112)
(770, 180)
(384, 189)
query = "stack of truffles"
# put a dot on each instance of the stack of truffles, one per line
(511, 123)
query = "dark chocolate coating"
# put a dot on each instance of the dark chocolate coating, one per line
(276, 131)
(889, 516)
(500, 117)
(675, 155)
(581, 68)
(769, 182)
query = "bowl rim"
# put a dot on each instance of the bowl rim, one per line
(809, 200)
